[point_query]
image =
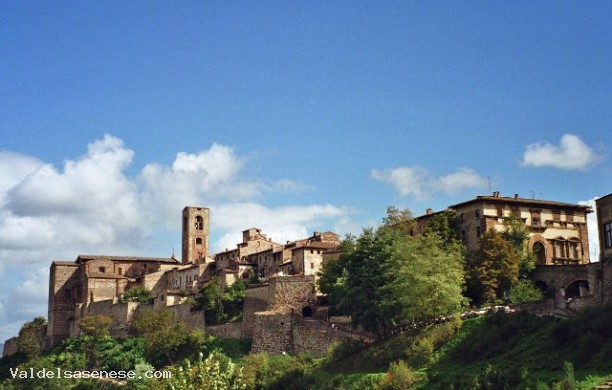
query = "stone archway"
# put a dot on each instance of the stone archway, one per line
(577, 289)
(541, 248)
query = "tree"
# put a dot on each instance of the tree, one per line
(29, 342)
(492, 270)
(445, 224)
(517, 234)
(96, 326)
(524, 292)
(387, 278)
(425, 279)
(163, 334)
(137, 294)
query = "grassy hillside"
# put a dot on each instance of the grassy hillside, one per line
(512, 351)
(502, 351)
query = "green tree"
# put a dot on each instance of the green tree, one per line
(524, 291)
(516, 232)
(387, 278)
(492, 270)
(425, 279)
(96, 326)
(163, 334)
(137, 294)
(445, 224)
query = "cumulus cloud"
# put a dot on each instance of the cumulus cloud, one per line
(279, 224)
(571, 153)
(419, 182)
(90, 204)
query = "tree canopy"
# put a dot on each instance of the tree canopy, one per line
(386, 278)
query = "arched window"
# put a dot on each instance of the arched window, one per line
(199, 223)
(199, 241)
(539, 250)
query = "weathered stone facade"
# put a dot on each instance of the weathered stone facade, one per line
(558, 231)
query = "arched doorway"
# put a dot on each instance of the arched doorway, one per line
(577, 289)
(539, 250)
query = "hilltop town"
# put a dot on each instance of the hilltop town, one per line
(282, 307)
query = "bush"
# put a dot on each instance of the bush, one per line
(524, 292)
(137, 294)
(399, 377)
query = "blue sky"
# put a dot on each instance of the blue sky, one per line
(288, 116)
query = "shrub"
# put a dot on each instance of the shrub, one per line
(524, 292)
(398, 377)
(137, 294)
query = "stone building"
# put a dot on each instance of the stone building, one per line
(558, 231)
(92, 279)
(95, 284)
(604, 223)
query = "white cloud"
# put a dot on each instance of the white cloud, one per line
(279, 224)
(593, 229)
(91, 205)
(456, 182)
(571, 153)
(419, 182)
(406, 180)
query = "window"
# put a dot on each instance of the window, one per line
(500, 211)
(102, 270)
(535, 219)
(120, 271)
(67, 295)
(477, 213)
(569, 216)
(608, 235)
(559, 250)
(556, 215)
(572, 247)
(199, 223)
(311, 265)
(199, 241)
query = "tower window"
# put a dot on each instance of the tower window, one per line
(199, 241)
(199, 223)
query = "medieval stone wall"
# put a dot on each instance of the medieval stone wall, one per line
(232, 330)
(273, 333)
(256, 299)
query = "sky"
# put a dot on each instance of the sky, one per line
(292, 117)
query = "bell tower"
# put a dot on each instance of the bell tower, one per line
(195, 234)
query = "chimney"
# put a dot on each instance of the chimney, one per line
(515, 196)
(496, 194)
(429, 211)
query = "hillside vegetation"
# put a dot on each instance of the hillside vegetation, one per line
(501, 351)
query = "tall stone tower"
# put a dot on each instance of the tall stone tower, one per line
(195, 234)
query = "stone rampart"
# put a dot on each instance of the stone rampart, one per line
(232, 330)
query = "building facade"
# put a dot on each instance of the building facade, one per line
(604, 223)
(558, 231)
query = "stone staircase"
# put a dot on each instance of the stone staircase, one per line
(564, 312)
(603, 386)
